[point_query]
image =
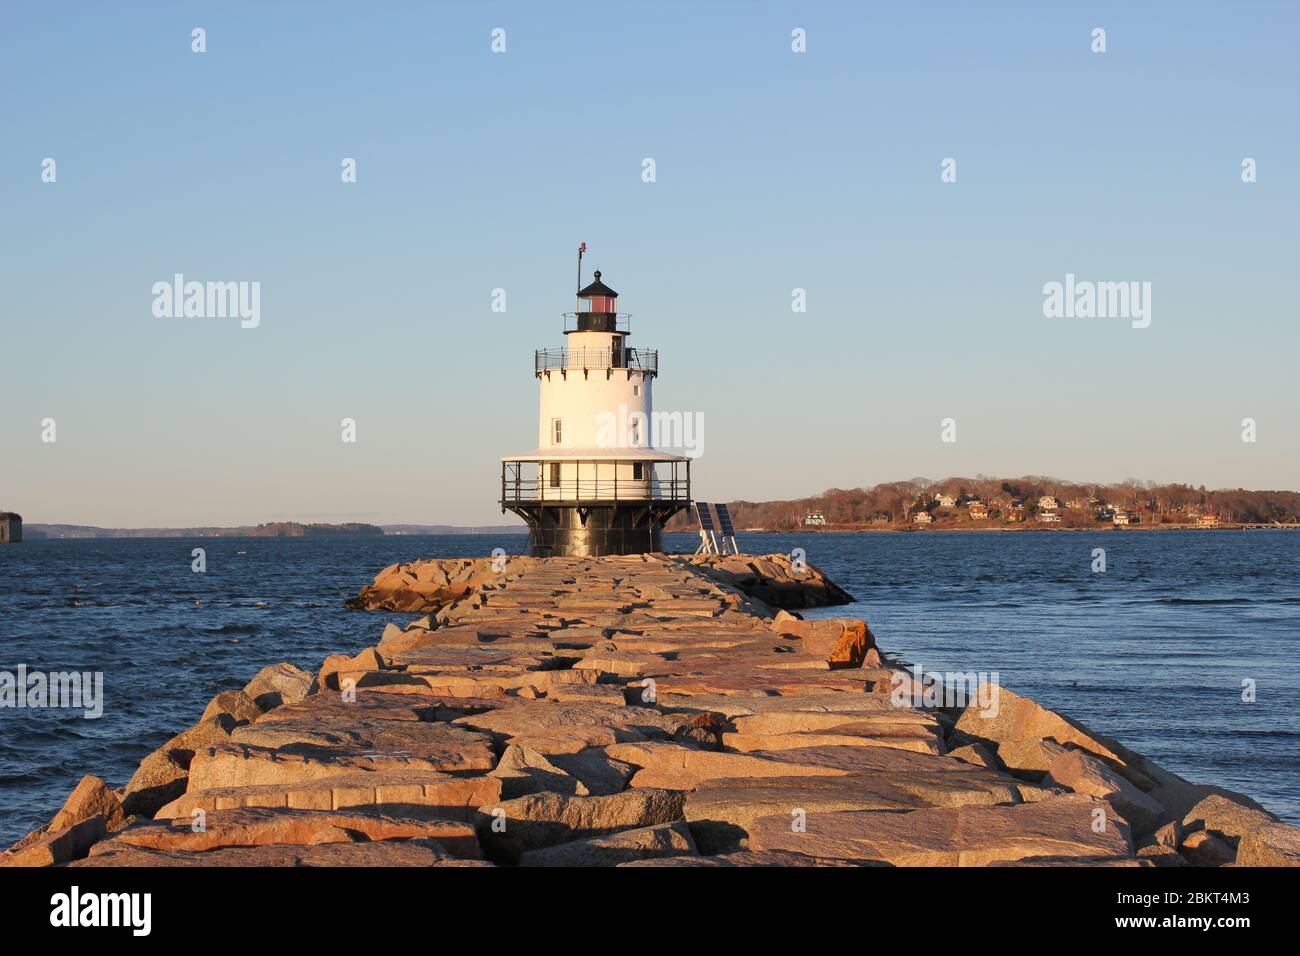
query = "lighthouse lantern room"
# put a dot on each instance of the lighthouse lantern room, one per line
(595, 484)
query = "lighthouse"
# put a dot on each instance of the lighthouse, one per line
(595, 484)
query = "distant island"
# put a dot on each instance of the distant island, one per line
(270, 529)
(1014, 504)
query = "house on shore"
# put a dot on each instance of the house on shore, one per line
(814, 519)
(977, 510)
(944, 501)
(11, 527)
(921, 517)
(1207, 521)
(1049, 517)
(1119, 517)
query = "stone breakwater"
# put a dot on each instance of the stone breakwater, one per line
(647, 710)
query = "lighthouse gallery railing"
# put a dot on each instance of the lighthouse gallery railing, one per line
(644, 360)
(664, 481)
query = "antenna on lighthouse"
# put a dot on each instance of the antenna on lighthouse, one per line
(581, 249)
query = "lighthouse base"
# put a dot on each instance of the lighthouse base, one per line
(594, 529)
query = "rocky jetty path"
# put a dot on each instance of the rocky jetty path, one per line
(651, 710)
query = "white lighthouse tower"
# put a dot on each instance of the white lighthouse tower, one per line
(595, 484)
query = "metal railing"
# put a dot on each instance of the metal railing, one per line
(644, 360)
(622, 320)
(531, 482)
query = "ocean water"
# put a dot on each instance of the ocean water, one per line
(1152, 652)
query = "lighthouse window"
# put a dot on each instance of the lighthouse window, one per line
(638, 471)
(556, 430)
(636, 390)
(555, 474)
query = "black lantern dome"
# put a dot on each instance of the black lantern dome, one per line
(597, 308)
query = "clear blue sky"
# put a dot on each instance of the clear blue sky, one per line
(775, 170)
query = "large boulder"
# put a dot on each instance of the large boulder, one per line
(235, 704)
(774, 579)
(412, 853)
(560, 727)
(467, 749)
(264, 826)
(1083, 773)
(1017, 725)
(162, 775)
(426, 586)
(398, 794)
(336, 710)
(91, 797)
(975, 754)
(340, 667)
(935, 781)
(1061, 828)
(278, 684)
(847, 733)
(783, 858)
(1169, 835)
(805, 711)
(671, 766)
(239, 764)
(1029, 757)
(55, 847)
(842, 642)
(1269, 844)
(1179, 797)
(396, 640)
(720, 812)
(643, 843)
(1160, 855)
(523, 770)
(1204, 848)
(1224, 827)
(878, 714)
(598, 772)
(1225, 818)
(511, 828)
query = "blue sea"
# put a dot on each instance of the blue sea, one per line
(1153, 651)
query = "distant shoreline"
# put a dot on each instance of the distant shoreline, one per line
(168, 534)
(998, 529)
(61, 532)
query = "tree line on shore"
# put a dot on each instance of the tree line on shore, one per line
(270, 529)
(1015, 499)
